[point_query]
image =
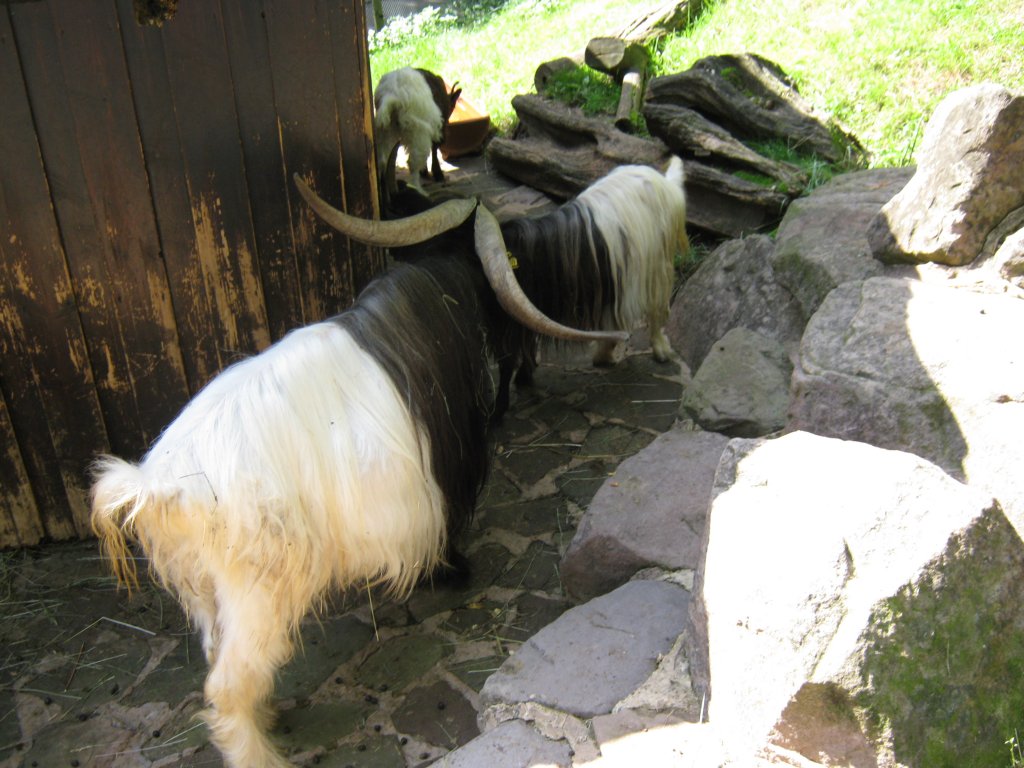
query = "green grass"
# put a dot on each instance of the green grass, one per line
(494, 55)
(878, 68)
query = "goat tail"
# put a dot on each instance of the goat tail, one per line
(675, 172)
(386, 111)
(118, 495)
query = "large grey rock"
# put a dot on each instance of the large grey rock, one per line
(596, 654)
(858, 602)
(925, 368)
(735, 286)
(742, 388)
(968, 180)
(822, 241)
(649, 513)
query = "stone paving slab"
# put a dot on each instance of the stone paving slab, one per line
(595, 654)
(667, 484)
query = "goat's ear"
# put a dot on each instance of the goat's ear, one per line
(454, 96)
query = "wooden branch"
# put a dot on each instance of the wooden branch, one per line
(688, 133)
(558, 171)
(753, 98)
(629, 99)
(717, 203)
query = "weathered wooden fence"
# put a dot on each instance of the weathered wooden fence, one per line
(150, 233)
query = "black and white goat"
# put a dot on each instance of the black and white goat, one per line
(348, 453)
(411, 109)
(604, 260)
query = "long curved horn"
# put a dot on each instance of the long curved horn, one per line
(490, 248)
(390, 234)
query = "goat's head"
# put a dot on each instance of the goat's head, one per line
(446, 98)
(453, 98)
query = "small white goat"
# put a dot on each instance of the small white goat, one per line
(412, 107)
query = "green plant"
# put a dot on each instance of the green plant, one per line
(1016, 756)
(594, 92)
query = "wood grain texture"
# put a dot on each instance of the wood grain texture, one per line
(150, 234)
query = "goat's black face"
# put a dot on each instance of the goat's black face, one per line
(453, 99)
(407, 201)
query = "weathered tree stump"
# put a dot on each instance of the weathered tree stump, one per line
(615, 56)
(550, 69)
(753, 98)
(688, 133)
(629, 99)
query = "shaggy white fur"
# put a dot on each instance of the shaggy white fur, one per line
(406, 114)
(641, 214)
(291, 471)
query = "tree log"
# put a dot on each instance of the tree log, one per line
(563, 152)
(549, 69)
(569, 127)
(687, 133)
(629, 99)
(558, 171)
(753, 98)
(726, 206)
(718, 204)
(665, 19)
(614, 56)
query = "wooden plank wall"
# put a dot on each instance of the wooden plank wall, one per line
(150, 233)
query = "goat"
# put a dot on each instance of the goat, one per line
(602, 261)
(445, 98)
(412, 108)
(347, 453)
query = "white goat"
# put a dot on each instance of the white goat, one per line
(412, 107)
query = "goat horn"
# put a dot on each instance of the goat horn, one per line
(490, 248)
(390, 234)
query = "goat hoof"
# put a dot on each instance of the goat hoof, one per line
(455, 574)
